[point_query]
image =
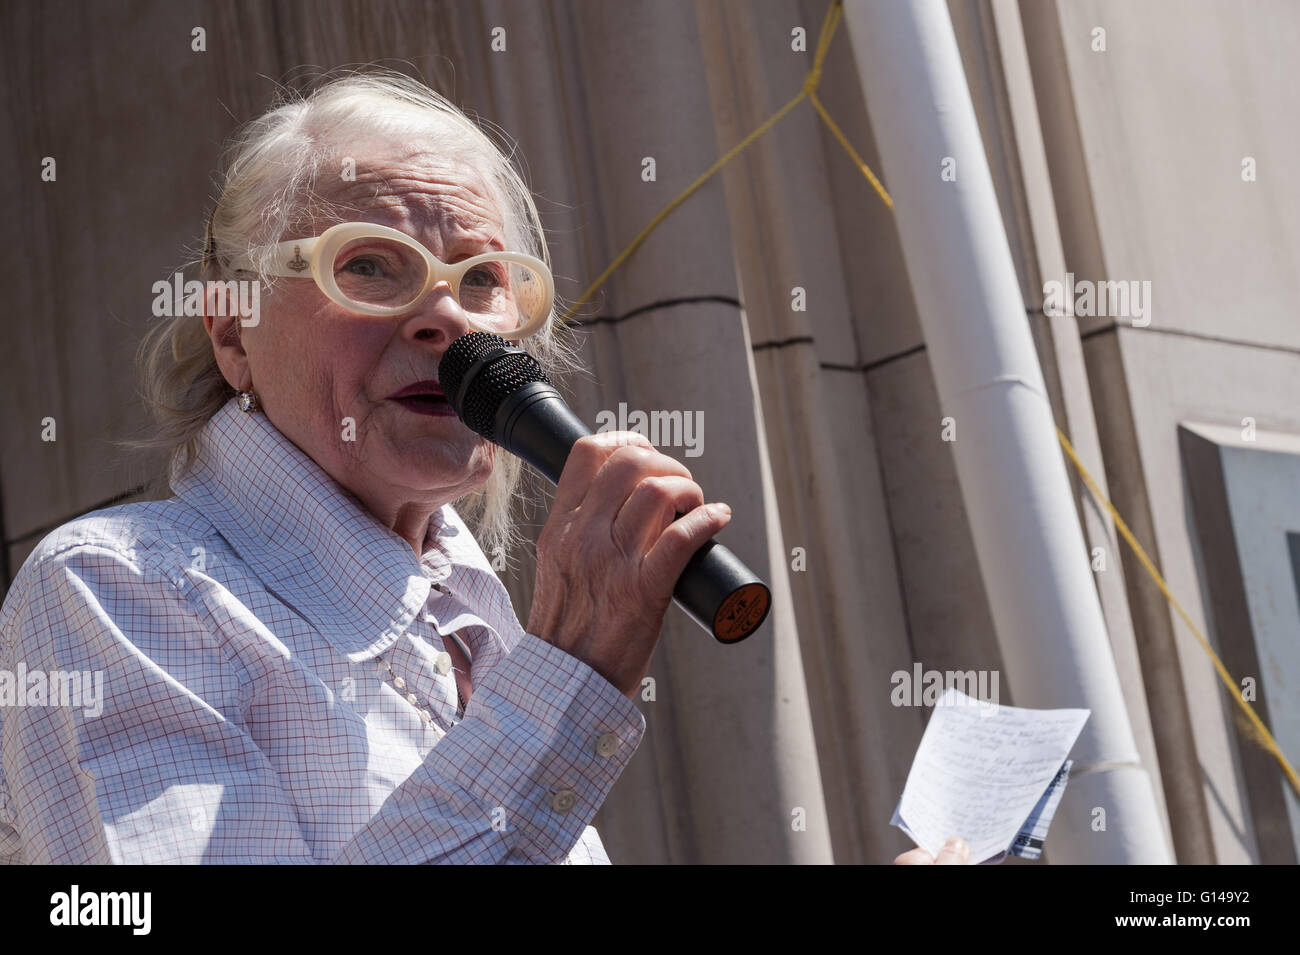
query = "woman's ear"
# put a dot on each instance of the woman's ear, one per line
(224, 326)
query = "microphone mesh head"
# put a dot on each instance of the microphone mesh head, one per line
(506, 369)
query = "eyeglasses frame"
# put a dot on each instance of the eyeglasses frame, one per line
(288, 262)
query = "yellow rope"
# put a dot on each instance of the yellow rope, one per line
(829, 23)
(1265, 737)
(866, 170)
(690, 190)
(810, 84)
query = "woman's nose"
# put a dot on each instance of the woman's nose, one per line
(440, 319)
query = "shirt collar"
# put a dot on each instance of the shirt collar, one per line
(311, 542)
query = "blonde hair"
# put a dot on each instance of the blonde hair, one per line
(266, 188)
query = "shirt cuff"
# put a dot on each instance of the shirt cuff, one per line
(543, 741)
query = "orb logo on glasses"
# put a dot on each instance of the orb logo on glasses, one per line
(374, 270)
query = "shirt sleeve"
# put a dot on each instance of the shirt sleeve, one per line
(150, 771)
(152, 768)
(543, 740)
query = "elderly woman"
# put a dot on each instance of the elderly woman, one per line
(305, 655)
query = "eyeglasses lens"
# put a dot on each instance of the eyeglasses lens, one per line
(375, 271)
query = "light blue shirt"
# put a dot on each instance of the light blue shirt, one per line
(238, 634)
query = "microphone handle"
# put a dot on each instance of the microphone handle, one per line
(715, 589)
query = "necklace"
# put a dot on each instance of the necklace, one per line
(423, 709)
(414, 700)
(443, 664)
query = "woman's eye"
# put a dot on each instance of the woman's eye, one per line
(483, 276)
(363, 266)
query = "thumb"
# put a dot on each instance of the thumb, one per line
(954, 852)
(680, 540)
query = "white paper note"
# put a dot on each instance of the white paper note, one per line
(980, 770)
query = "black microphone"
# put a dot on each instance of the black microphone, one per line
(501, 393)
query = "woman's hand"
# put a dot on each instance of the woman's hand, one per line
(612, 550)
(954, 852)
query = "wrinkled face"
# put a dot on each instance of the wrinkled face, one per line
(326, 377)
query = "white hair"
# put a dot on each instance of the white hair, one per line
(267, 186)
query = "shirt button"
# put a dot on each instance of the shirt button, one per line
(564, 800)
(607, 745)
(442, 663)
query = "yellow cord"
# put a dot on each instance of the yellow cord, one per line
(636, 243)
(829, 24)
(866, 170)
(809, 90)
(1265, 737)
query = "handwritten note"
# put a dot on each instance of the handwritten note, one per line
(992, 775)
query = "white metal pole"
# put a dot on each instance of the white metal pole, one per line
(1031, 550)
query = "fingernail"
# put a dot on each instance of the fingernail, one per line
(719, 510)
(958, 845)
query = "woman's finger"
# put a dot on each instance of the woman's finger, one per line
(917, 856)
(650, 508)
(585, 460)
(622, 471)
(954, 852)
(664, 564)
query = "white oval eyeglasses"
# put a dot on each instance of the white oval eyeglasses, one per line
(374, 270)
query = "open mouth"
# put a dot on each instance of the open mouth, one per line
(429, 404)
